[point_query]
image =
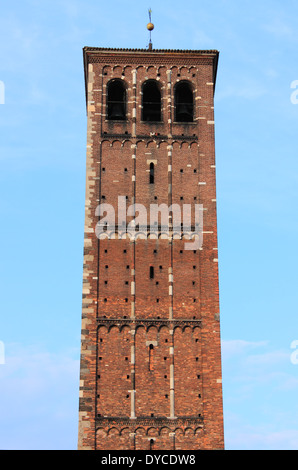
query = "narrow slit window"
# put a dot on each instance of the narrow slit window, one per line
(151, 349)
(151, 173)
(116, 101)
(183, 102)
(151, 109)
(151, 272)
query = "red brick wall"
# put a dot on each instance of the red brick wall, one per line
(169, 396)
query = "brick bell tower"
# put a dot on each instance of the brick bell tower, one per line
(150, 345)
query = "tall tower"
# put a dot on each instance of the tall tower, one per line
(150, 346)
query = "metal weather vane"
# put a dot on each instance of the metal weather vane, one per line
(150, 27)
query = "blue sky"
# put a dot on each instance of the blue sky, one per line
(42, 186)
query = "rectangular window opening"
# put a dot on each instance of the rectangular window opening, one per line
(151, 272)
(151, 173)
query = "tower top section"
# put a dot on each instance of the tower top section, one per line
(136, 57)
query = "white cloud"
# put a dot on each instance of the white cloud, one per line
(245, 437)
(244, 88)
(260, 388)
(269, 358)
(238, 346)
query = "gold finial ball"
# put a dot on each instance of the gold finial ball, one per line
(150, 26)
